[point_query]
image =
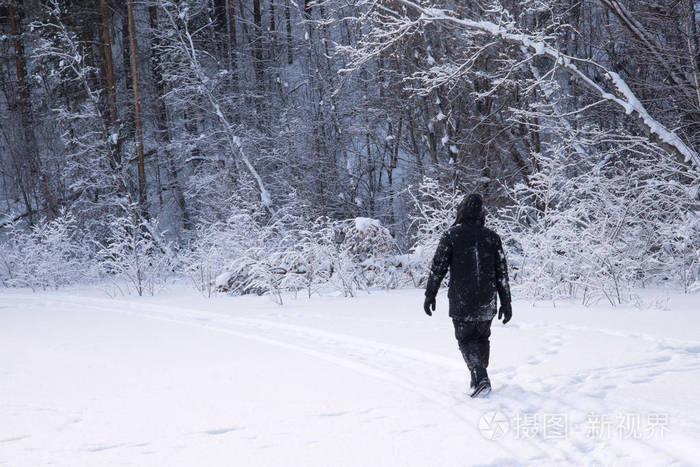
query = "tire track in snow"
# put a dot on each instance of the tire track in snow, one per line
(576, 441)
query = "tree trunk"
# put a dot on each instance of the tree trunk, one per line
(288, 21)
(137, 107)
(690, 34)
(126, 58)
(231, 44)
(109, 63)
(164, 127)
(257, 57)
(28, 152)
(273, 28)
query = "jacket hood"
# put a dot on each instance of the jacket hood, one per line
(471, 210)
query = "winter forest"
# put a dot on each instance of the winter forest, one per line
(277, 146)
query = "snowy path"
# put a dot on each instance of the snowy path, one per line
(179, 380)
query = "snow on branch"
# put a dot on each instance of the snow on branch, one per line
(176, 16)
(396, 24)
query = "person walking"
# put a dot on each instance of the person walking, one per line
(478, 270)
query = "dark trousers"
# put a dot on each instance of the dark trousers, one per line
(473, 340)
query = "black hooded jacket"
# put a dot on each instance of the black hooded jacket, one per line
(477, 265)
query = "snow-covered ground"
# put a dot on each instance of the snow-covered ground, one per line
(86, 380)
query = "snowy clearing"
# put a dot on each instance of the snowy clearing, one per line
(182, 380)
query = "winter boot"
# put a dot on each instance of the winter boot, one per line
(482, 389)
(472, 382)
(483, 384)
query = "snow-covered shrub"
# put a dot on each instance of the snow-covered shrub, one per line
(255, 268)
(598, 229)
(344, 255)
(593, 228)
(255, 251)
(133, 256)
(314, 259)
(10, 258)
(331, 257)
(209, 254)
(47, 255)
(248, 253)
(373, 249)
(680, 255)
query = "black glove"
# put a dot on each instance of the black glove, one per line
(505, 312)
(428, 304)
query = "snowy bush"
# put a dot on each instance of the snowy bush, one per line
(256, 252)
(132, 255)
(247, 253)
(209, 253)
(255, 266)
(335, 253)
(345, 255)
(593, 230)
(601, 229)
(47, 255)
(371, 247)
(680, 255)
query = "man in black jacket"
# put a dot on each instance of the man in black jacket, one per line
(478, 270)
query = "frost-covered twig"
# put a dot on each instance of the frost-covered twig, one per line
(190, 52)
(398, 25)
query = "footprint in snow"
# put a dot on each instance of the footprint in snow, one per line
(221, 431)
(105, 447)
(14, 438)
(333, 414)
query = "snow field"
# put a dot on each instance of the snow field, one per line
(181, 380)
